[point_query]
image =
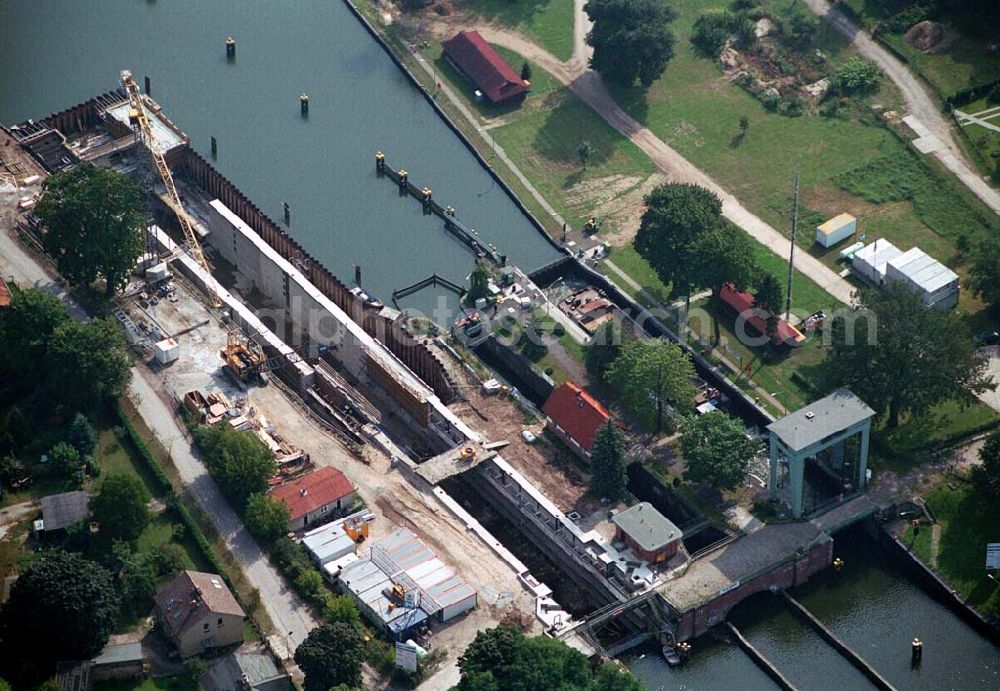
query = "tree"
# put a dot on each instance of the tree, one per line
(66, 460)
(503, 658)
(724, 254)
(900, 356)
(343, 609)
(62, 607)
(651, 374)
(331, 654)
(120, 507)
(526, 71)
(584, 151)
(768, 298)
(239, 461)
(87, 362)
(82, 436)
(988, 474)
(26, 328)
(94, 223)
(676, 216)
(603, 348)
(631, 39)
(717, 450)
(800, 26)
(479, 281)
(137, 576)
(744, 125)
(857, 75)
(266, 517)
(985, 269)
(607, 463)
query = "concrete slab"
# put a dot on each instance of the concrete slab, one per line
(992, 398)
(928, 145)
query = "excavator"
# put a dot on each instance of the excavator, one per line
(137, 117)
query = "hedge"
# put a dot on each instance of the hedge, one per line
(971, 93)
(163, 482)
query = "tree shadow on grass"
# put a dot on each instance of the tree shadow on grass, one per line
(557, 139)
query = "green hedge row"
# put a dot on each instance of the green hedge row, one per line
(163, 482)
(971, 93)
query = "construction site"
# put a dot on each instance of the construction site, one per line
(238, 325)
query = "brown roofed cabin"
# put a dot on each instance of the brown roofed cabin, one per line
(198, 613)
(471, 55)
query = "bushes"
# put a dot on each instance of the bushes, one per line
(969, 94)
(143, 452)
(713, 29)
(857, 75)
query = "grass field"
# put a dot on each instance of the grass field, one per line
(968, 522)
(548, 22)
(541, 135)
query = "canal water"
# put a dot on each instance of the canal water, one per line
(57, 53)
(871, 605)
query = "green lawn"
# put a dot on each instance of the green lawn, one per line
(548, 22)
(963, 63)
(968, 522)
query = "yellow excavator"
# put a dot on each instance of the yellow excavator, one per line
(137, 116)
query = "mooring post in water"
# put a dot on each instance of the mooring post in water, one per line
(425, 199)
(403, 177)
(380, 163)
(215, 147)
(146, 84)
(304, 103)
(230, 47)
(357, 274)
(916, 651)
(288, 213)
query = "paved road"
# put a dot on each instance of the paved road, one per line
(918, 101)
(289, 613)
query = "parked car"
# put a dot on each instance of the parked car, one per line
(987, 338)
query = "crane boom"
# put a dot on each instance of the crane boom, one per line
(137, 113)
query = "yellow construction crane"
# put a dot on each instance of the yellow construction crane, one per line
(137, 115)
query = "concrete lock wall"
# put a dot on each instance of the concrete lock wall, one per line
(793, 572)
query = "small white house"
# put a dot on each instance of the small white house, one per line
(836, 229)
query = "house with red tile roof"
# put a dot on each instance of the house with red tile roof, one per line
(198, 613)
(470, 54)
(742, 303)
(575, 416)
(315, 496)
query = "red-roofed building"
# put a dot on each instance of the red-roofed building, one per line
(315, 496)
(741, 302)
(471, 55)
(575, 416)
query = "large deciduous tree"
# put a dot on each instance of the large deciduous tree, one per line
(717, 450)
(607, 463)
(94, 223)
(266, 517)
(120, 507)
(724, 254)
(62, 607)
(650, 375)
(900, 356)
(26, 328)
(330, 655)
(675, 218)
(984, 276)
(631, 39)
(767, 297)
(988, 474)
(503, 658)
(239, 461)
(87, 362)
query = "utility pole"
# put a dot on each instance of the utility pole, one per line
(791, 252)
